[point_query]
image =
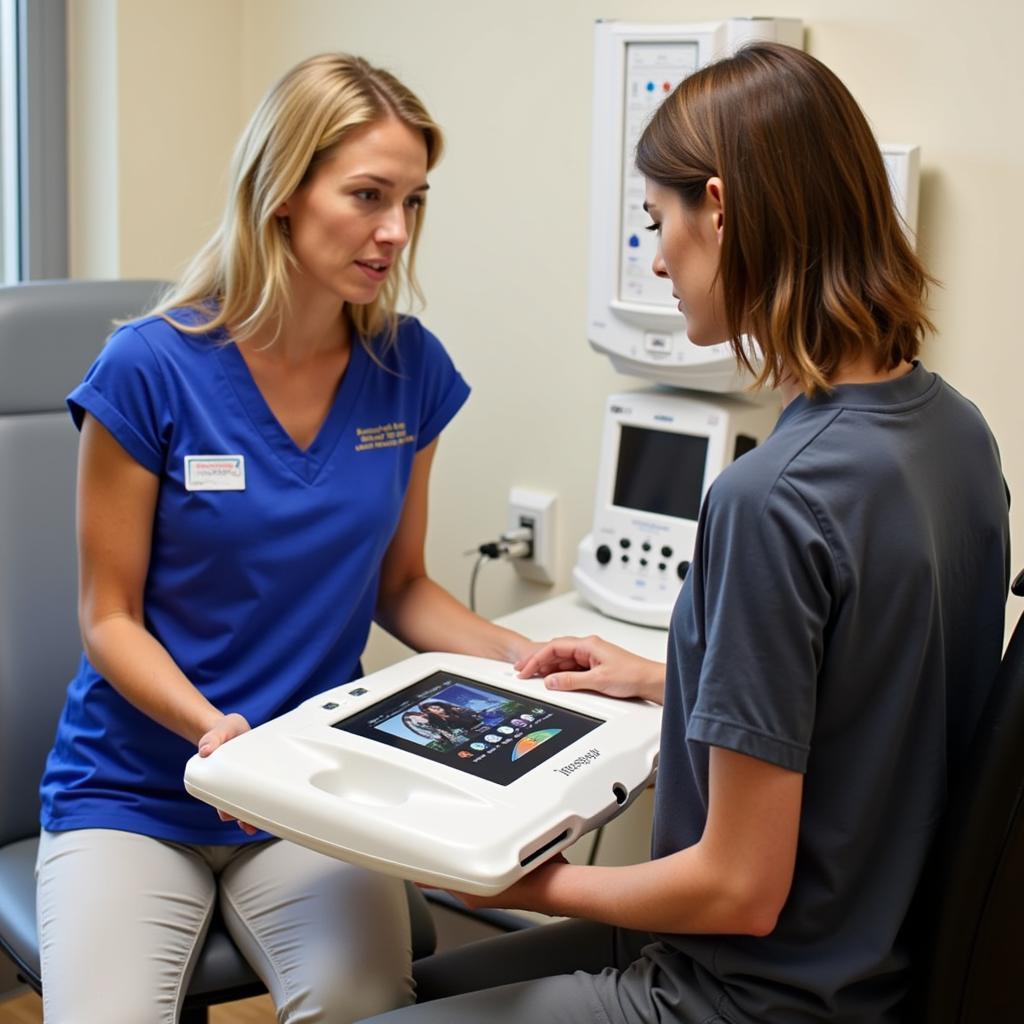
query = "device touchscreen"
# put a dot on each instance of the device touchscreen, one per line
(478, 728)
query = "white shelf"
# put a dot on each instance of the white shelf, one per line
(570, 615)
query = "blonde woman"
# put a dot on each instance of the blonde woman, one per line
(253, 474)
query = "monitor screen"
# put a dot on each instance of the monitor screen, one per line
(660, 471)
(475, 727)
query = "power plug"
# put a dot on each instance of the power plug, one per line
(535, 510)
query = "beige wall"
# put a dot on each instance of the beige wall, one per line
(155, 100)
(504, 258)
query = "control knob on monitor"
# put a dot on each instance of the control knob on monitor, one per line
(682, 569)
(604, 554)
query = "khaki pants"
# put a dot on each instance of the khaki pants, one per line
(122, 917)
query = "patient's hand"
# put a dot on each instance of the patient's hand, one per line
(226, 729)
(529, 893)
(590, 663)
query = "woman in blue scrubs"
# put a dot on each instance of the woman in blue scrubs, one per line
(840, 627)
(254, 465)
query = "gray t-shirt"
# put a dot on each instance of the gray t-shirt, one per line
(843, 618)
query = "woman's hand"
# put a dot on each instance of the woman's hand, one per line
(227, 728)
(590, 663)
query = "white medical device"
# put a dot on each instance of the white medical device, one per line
(631, 315)
(444, 769)
(660, 452)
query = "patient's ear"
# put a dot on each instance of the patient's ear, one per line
(714, 198)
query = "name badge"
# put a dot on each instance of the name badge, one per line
(214, 472)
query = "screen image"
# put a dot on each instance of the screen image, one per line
(660, 471)
(472, 726)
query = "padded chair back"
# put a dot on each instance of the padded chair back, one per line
(973, 895)
(50, 332)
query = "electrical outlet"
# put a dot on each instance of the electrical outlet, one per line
(536, 509)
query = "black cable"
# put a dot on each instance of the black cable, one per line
(514, 544)
(472, 579)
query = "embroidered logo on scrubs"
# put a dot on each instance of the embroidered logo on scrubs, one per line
(214, 472)
(387, 435)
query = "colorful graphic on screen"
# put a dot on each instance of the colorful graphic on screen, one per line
(479, 729)
(452, 716)
(532, 740)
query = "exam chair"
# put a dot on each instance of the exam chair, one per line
(969, 942)
(50, 332)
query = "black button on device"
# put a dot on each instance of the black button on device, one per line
(359, 691)
(625, 559)
(643, 561)
(683, 568)
(666, 552)
(661, 566)
(603, 554)
(646, 545)
(625, 543)
(329, 706)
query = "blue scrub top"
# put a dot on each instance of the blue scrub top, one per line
(262, 595)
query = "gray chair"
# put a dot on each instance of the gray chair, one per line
(50, 332)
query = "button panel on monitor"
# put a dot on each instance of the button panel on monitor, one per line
(640, 567)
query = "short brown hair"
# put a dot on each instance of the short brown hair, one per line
(815, 263)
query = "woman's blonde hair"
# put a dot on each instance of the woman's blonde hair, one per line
(240, 277)
(814, 263)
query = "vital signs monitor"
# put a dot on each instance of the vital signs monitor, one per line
(631, 315)
(444, 769)
(660, 452)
